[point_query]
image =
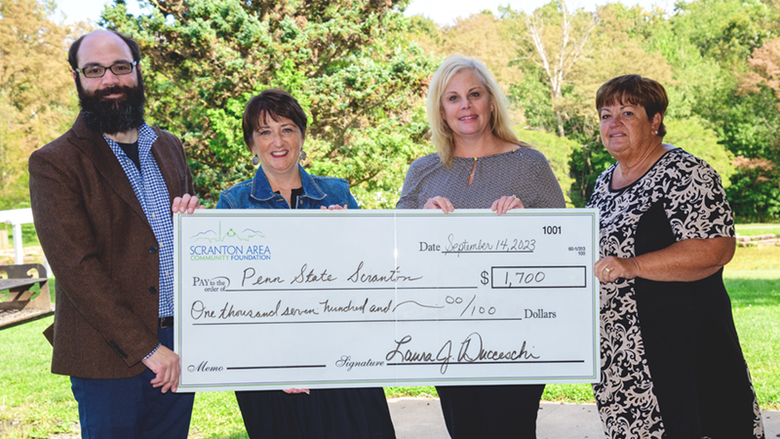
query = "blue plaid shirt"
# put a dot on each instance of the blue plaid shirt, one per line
(151, 191)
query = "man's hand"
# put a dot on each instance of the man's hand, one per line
(166, 365)
(186, 203)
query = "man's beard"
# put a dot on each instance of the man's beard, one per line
(112, 116)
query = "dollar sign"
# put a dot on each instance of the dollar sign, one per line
(485, 278)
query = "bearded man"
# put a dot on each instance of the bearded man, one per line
(102, 198)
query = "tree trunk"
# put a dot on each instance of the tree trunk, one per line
(559, 118)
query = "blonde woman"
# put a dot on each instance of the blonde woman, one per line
(479, 163)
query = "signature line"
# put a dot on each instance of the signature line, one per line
(486, 362)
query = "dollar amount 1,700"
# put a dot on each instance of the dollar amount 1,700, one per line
(573, 276)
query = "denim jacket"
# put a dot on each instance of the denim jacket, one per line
(317, 191)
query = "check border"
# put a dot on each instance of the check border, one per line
(593, 374)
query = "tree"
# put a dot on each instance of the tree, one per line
(36, 90)
(740, 103)
(754, 194)
(764, 69)
(708, 43)
(725, 30)
(349, 64)
(554, 40)
(557, 150)
(482, 36)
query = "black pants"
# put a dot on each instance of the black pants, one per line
(491, 412)
(323, 414)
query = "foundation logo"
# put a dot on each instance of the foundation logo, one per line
(230, 245)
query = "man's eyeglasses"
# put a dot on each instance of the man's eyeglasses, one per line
(96, 71)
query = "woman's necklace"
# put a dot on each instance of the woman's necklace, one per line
(473, 171)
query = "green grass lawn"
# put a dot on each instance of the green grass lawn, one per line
(757, 229)
(753, 282)
(35, 404)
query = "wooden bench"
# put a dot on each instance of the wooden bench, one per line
(24, 294)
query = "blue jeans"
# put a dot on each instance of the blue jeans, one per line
(130, 407)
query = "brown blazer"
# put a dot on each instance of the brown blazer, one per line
(102, 251)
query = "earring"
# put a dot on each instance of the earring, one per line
(302, 157)
(655, 132)
(255, 160)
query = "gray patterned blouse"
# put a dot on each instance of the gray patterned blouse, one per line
(523, 172)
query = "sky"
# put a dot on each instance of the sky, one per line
(443, 12)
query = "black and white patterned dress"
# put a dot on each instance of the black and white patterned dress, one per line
(671, 364)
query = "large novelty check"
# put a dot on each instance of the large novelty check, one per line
(271, 299)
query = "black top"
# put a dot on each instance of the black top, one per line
(294, 194)
(131, 150)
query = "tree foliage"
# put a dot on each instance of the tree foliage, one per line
(483, 36)
(726, 30)
(764, 70)
(755, 190)
(36, 91)
(361, 70)
(557, 150)
(717, 59)
(554, 40)
(349, 64)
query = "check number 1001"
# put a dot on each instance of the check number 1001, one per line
(535, 277)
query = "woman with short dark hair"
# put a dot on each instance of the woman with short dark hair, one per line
(671, 364)
(274, 128)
